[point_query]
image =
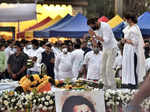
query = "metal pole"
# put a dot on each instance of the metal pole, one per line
(119, 7)
(116, 7)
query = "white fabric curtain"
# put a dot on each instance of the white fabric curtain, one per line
(17, 12)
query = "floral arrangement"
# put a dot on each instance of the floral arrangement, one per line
(79, 84)
(37, 102)
(12, 102)
(34, 82)
(115, 100)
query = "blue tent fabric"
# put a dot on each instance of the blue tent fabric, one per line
(76, 27)
(118, 30)
(45, 32)
(144, 24)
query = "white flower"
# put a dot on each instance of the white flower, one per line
(108, 104)
(26, 103)
(48, 97)
(46, 103)
(2, 108)
(20, 106)
(117, 103)
(44, 108)
(40, 106)
(43, 99)
(50, 108)
(22, 94)
(28, 97)
(13, 100)
(15, 107)
(0, 99)
(51, 102)
(34, 101)
(5, 96)
(5, 102)
(31, 94)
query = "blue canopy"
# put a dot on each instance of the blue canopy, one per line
(76, 27)
(45, 32)
(144, 24)
(118, 30)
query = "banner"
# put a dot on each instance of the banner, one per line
(79, 101)
(17, 12)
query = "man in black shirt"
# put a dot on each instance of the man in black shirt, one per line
(48, 59)
(17, 63)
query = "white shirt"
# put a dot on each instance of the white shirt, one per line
(77, 60)
(8, 51)
(27, 51)
(106, 33)
(37, 53)
(41, 49)
(63, 66)
(56, 51)
(93, 62)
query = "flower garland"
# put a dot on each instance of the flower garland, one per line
(13, 101)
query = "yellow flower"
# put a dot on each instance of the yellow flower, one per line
(22, 79)
(36, 77)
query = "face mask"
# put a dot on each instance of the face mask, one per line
(64, 50)
(96, 50)
(28, 47)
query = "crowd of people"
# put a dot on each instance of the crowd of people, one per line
(97, 56)
(94, 57)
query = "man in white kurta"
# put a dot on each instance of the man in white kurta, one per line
(104, 34)
(63, 65)
(77, 60)
(37, 65)
(93, 63)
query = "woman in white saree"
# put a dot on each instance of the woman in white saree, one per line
(133, 64)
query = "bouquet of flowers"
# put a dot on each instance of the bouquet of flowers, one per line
(35, 81)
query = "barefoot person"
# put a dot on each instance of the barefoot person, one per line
(102, 32)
